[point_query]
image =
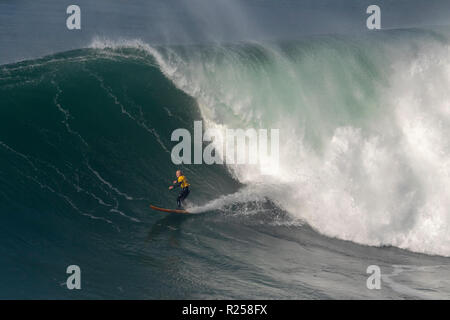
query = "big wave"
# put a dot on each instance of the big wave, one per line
(364, 121)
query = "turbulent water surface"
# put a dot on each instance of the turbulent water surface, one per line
(363, 173)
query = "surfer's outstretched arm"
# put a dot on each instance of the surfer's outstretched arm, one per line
(175, 185)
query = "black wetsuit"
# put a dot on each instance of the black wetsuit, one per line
(183, 193)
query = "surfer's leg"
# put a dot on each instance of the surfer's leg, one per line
(186, 193)
(183, 195)
(179, 199)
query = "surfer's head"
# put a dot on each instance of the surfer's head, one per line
(179, 173)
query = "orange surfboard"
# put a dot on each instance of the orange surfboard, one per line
(168, 210)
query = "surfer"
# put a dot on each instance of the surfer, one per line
(183, 184)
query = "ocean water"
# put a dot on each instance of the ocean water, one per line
(363, 173)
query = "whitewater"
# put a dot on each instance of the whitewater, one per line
(365, 123)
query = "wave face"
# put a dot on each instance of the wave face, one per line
(365, 154)
(85, 147)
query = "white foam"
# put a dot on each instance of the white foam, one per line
(383, 180)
